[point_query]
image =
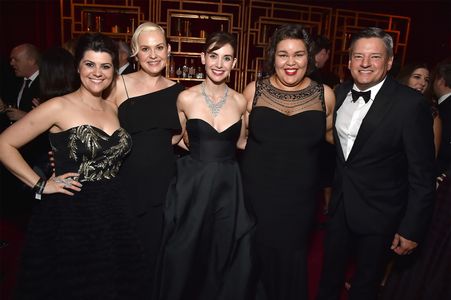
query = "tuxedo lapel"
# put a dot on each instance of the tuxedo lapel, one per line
(381, 105)
(340, 98)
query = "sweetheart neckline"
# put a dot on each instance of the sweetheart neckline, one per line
(211, 126)
(91, 126)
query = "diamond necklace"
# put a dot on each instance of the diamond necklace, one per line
(214, 107)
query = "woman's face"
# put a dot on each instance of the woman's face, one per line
(219, 63)
(419, 80)
(152, 52)
(291, 61)
(96, 71)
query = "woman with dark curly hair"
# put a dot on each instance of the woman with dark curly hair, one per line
(290, 115)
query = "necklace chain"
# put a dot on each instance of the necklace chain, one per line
(214, 107)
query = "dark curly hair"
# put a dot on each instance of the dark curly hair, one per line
(288, 31)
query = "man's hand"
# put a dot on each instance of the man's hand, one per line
(15, 114)
(440, 179)
(2, 105)
(402, 246)
(36, 102)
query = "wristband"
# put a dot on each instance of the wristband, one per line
(39, 188)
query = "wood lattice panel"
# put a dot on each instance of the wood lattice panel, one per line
(119, 17)
(206, 16)
(263, 17)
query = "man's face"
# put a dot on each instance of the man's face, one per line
(369, 62)
(321, 58)
(21, 63)
(437, 86)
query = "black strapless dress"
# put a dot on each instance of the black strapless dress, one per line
(83, 246)
(206, 250)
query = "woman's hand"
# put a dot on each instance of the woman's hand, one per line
(63, 184)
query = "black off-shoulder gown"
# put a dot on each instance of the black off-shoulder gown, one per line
(151, 120)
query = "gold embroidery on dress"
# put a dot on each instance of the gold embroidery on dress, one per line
(96, 166)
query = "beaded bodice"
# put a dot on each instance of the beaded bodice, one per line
(289, 102)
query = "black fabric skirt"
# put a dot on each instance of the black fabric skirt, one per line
(82, 247)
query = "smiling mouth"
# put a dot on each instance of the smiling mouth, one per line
(217, 72)
(291, 71)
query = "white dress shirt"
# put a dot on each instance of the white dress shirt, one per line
(121, 69)
(350, 116)
(32, 78)
(442, 98)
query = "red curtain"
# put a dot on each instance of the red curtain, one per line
(29, 21)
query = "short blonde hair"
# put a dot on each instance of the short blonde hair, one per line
(148, 26)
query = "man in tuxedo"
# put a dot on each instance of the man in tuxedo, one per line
(442, 89)
(383, 189)
(125, 66)
(24, 59)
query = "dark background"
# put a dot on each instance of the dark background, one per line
(38, 22)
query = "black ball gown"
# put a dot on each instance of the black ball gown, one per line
(206, 250)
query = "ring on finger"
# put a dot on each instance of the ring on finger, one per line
(58, 180)
(65, 181)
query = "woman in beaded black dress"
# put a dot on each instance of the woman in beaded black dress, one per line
(147, 110)
(206, 249)
(80, 243)
(289, 117)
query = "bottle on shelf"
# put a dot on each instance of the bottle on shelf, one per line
(199, 73)
(192, 69)
(172, 71)
(99, 24)
(179, 27)
(89, 22)
(178, 72)
(185, 69)
(187, 28)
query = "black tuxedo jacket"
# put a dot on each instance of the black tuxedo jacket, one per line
(444, 154)
(387, 184)
(128, 70)
(28, 95)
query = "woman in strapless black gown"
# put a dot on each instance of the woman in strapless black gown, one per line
(80, 243)
(147, 110)
(206, 249)
(289, 117)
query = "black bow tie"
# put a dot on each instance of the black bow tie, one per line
(365, 95)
